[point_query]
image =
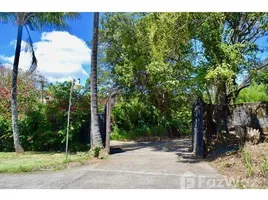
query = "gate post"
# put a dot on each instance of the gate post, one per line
(197, 127)
(110, 103)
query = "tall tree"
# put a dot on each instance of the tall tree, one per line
(229, 44)
(150, 57)
(33, 21)
(230, 52)
(96, 140)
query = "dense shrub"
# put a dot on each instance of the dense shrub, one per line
(29, 91)
(44, 126)
(133, 119)
(6, 139)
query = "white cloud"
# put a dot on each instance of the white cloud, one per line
(60, 56)
(13, 44)
(7, 60)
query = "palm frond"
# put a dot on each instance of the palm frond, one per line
(30, 25)
(30, 48)
(36, 21)
(53, 19)
(6, 17)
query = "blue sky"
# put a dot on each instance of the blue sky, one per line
(80, 32)
(82, 28)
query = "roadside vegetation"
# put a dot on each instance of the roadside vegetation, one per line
(159, 63)
(43, 114)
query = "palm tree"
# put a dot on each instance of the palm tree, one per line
(33, 21)
(96, 140)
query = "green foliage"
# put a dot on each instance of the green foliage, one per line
(254, 93)
(150, 58)
(221, 72)
(160, 62)
(227, 44)
(132, 119)
(6, 137)
(133, 114)
(135, 46)
(44, 127)
(38, 20)
(96, 151)
(164, 60)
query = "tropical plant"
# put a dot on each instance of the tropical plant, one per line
(33, 21)
(254, 93)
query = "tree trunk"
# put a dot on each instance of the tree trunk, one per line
(14, 106)
(221, 106)
(96, 140)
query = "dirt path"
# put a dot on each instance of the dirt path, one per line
(132, 165)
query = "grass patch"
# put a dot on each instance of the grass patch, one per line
(36, 161)
(248, 162)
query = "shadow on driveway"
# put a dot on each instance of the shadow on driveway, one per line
(181, 147)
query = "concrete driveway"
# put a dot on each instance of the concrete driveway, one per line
(165, 165)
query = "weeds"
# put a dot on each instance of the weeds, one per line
(227, 164)
(97, 152)
(238, 183)
(248, 162)
(264, 166)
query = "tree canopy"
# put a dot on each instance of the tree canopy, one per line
(167, 59)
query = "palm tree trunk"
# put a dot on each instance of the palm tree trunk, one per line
(14, 106)
(96, 140)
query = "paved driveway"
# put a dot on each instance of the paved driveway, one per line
(132, 165)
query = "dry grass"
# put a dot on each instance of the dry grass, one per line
(249, 167)
(36, 161)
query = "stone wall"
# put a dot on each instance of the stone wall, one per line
(254, 115)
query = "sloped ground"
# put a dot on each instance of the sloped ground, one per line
(163, 164)
(248, 168)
